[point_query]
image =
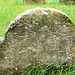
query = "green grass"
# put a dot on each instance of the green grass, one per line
(9, 9)
(51, 69)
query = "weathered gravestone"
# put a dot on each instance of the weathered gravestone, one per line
(67, 1)
(34, 1)
(43, 34)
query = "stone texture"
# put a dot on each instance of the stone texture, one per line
(67, 1)
(43, 34)
(34, 1)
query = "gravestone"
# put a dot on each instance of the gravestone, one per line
(67, 1)
(44, 34)
(34, 1)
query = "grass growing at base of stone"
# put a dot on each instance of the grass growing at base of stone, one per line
(10, 9)
(49, 70)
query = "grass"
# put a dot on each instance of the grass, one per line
(49, 70)
(9, 9)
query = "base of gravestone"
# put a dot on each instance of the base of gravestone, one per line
(34, 1)
(67, 1)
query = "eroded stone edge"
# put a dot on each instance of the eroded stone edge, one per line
(33, 10)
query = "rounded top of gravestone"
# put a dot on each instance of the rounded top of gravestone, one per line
(40, 13)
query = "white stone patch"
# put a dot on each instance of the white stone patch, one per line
(22, 51)
(6, 57)
(31, 48)
(54, 36)
(1, 39)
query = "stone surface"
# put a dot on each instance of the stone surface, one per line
(43, 34)
(34, 1)
(67, 1)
